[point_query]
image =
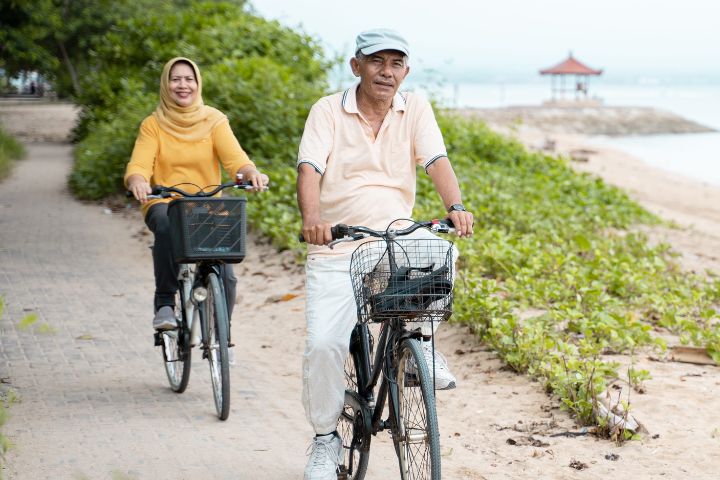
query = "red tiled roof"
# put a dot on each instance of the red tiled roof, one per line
(570, 66)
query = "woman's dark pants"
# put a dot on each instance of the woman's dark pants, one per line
(166, 270)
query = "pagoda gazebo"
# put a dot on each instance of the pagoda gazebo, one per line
(570, 66)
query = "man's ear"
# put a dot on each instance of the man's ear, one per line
(355, 66)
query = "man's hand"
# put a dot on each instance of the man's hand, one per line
(317, 232)
(252, 175)
(463, 222)
(139, 187)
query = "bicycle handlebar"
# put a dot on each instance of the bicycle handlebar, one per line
(160, 191)
(346, 233)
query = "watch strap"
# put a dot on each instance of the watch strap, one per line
(459, 207)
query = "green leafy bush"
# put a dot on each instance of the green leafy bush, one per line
(10, 150)
(552, 279)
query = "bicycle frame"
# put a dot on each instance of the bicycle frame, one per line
(189, 280)
(392, 333)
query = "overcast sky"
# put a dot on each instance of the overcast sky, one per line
(625, 37)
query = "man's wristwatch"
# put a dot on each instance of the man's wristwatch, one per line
(456, 207)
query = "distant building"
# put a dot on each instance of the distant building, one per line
(570, 67)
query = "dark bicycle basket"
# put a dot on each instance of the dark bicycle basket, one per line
(417, 288)
(207, 229)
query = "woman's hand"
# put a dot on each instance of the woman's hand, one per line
(139, 187)
(252, 175)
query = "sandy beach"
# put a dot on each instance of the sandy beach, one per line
(496, 425)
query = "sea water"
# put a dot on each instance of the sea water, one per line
(696, 155)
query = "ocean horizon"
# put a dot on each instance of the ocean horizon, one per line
(694, 155)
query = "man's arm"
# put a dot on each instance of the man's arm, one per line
(446, 184)
(314, 229)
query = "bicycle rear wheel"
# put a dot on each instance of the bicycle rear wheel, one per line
(354, 429)
(216, 319)
(417, 439)
(176, 349)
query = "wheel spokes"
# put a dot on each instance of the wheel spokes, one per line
(412, 429)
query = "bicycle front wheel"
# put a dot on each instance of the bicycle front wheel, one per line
(417, 439)
(216, 320)
(176, 349)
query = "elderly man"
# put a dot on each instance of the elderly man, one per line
(357, 165)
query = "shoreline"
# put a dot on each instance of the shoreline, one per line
(587, 119)
(692, 204)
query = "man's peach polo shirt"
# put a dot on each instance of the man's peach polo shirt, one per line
(366, 180)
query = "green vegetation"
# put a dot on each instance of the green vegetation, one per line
(560, 244)
(10, 150)
(555, 278)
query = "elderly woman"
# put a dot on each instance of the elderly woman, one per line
(184, 141)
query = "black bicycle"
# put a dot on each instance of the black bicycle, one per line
(397, 282)
(207, 232)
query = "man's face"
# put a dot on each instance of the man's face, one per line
(380, 73)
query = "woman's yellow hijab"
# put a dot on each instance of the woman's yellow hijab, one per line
(191, 123)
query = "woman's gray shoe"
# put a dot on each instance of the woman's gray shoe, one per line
(165, 318)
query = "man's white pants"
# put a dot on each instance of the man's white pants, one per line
(331, 315)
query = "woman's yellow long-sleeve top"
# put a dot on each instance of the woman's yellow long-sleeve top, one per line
(164, 160)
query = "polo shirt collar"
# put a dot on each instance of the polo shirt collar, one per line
(349, 100)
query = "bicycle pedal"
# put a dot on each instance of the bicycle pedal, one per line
(230, 345)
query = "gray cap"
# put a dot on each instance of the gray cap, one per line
(375, 40)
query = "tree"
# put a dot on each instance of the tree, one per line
(57, 37)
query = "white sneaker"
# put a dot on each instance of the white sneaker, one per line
(325, 454)
(444, 379)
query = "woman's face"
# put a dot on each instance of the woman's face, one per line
(183, 84)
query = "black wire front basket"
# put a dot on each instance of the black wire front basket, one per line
(409, 278)
(208, 229)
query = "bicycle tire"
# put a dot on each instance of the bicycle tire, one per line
(217, 345)
(417, 435)
(354, 429)
(177, 354)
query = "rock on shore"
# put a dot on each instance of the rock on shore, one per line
(588, 120)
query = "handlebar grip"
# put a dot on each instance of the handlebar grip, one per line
(156, 190)
(337, 231)
(448, 222)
